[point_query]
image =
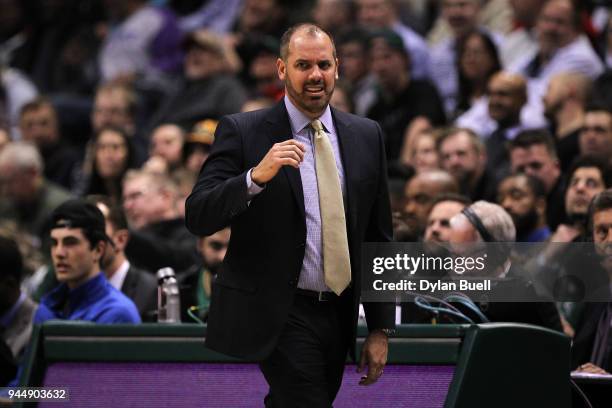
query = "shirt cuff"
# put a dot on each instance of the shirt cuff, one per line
(252, 188)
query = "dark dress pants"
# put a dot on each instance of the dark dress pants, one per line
(305, 369)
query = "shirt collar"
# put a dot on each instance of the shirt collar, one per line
(7, 318)
(299, 121)
(119, 276)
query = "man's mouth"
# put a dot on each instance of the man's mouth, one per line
(61, 267)
(314, 90)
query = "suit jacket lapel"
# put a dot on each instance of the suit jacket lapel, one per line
(349, 154)
(128, 283)
(279, 130)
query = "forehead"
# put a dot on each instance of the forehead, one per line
(602, 217)
(459, 140)
(504, 82)
(446, 209)
(167, 133)
(110, 136)
(223, 236)
(62, 233)
(598, 117)
(417, 186)
(557, 8)
(518, 182)
(43, 110)
(308, 45)
(587, 172)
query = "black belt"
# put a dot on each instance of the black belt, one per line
(320, 296)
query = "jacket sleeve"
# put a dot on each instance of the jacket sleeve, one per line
(220, 194)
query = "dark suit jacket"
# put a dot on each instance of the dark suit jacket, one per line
(586, 331)
(255, 286)
(141, 287)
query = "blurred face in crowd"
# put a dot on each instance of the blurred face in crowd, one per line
(331, 14)
(256, 14)
(555, 27)
(536, 161)
(460, 157)
(526, 11)
(144, 204)
(309, 72)
(19, 184)
(602, 236)
(389, 65)
(425, 153)
(201, 63)
(213, 249)
(520, 201)
(438, 223)
(111, 154)
(476, 61)
(507, 96)
(39, 126)
(419, 198)
(584, 184)
(375, 13)
(74, 259)
(111, 108)
(340, 100)
(167, 143)
(119, 238)
(355, 62)
(596, 135)
(461, 15)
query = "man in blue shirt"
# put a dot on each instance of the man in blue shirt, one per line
(78, 240)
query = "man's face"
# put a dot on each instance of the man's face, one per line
(143, 204)
(585, 183)
(213, 249)
(438, 223)
(111, 109)
(461, 15)
(167, 142)
(74, 260)
(596, 135)
(536, 161)
(515, 195)
(310, 72)
(354, 61)
(418, 200)
(602, 236)
(459, 156)
(375, 13)
(201, 63)
(39, 126)
(388, 64)
(505, 99)
(554, 26)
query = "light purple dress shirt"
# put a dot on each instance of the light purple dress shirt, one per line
(311, 275)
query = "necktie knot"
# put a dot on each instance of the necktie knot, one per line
(318, 127)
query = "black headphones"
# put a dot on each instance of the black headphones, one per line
(475, 220)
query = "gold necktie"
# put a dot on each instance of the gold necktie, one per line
(336, 262)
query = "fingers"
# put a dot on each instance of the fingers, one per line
(374, 373)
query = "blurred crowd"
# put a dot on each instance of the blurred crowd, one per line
(508, 101)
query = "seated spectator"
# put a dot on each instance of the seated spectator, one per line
(400, 99)
(158, 236)
(419, 194)
(113, 156)
(352, 46)
(487, 222)
(332, 15)
(27, 197)
(533, 152)
(564, 104)
(561, 47)
(16, 308)
(198, 144)
(167, 142)
(38, 124)
(78, 242)
(524, 198)
(591, 350)
(138, 285)
(477, 61)
(522, 39)
(384, 14)
(422, 155)
(463, 155)
(341, 98)
(596, 134)
(444, 207)
(196, 282)
(209, 88)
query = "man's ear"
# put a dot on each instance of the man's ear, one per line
(99, 249)
(540, 206)
(281, 68)
(121, 238)
(337, 67)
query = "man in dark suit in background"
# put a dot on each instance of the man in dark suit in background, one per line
(137, 284)
(287, 293)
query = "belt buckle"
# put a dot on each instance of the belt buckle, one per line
(322, 298)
